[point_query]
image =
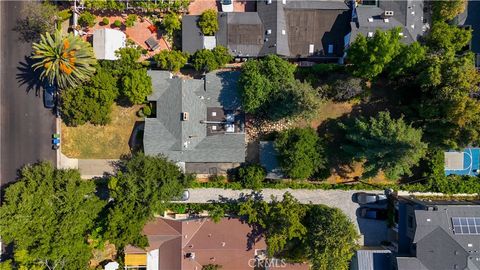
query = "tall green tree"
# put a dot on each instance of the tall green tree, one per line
(66, 61)
(136, 85)
(262, 79)
(208, 22)
(447, 39)
(281, 221)
(48, 214)
(300, 152)
(384, 144)
(209, 60)
(294, 99)
(171, 23)
(331, 238)
(171, 60)
(142, 188)
(92, 102)
(407, 59)
(369, 56)
(445, 10)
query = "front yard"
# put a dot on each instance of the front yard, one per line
(101, 142)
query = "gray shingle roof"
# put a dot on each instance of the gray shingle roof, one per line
(374, 260)
(438, 247)
(317, 22)
(408, 15)
(187, 141)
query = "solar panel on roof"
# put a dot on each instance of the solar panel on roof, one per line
(466, 225)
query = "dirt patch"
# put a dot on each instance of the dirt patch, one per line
(101, 142)
(352, 173)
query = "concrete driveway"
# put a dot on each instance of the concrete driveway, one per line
(25, 126)
(373, 231)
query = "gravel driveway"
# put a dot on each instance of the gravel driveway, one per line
(373, 231)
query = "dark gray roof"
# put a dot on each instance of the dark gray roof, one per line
(408, 15)
(192, 37)
(187, 141)
(438, 247)
(268, 159)
(286, 28)
(409, 263)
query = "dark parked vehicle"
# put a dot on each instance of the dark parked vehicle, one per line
(49, 96)
(367, 198)
(372, 213)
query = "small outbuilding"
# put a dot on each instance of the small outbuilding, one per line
(106, 42)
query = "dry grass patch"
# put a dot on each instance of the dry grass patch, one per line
(101, 142)
(328, 110)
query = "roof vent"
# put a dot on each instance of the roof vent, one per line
(184, 116)
(190, 255)
(387, 13)
(470, 245)
(223, 244)
(269, 2)
(311, 48)
(284, 32)
(284, 2)
(370, 19)
(269, 31)
(386, 20)
(428, 220)
(370, 34)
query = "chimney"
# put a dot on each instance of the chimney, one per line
(184, 116)
(387, 14)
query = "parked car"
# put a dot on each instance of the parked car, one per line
(184, 197)
(227, 5)
(367, 198)
(49, 96)
(372, 213)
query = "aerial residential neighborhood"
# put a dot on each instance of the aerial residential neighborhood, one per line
(240, 134)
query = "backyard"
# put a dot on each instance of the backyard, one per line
(101, 142)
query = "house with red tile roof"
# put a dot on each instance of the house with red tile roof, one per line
(190, 244)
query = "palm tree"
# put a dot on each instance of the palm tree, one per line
(65, 60)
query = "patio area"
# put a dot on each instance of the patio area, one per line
(197, 7)
(139, 33)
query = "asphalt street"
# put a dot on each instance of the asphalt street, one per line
(373, 231)
(26, 126)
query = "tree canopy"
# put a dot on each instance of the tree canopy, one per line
(447, 39)
(171, 60)
(251, 176)
(447, 9)
(281, 221)
(209, 60)
(48, 214)
(136, 85)
(171, 23)
(384, 144)
(140, 190)
(331, 238)
(300, 152)
(92, 102)
(208, 22)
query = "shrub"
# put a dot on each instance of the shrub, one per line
(147, 111)
(208, 22)
(209, 60)
(105, 21)
(216, 178)
(131, 19)
(86, 19)
(346, 89)
(64, 15)
(117, 23)
(252, 176)
(171, 22)
(136, 85)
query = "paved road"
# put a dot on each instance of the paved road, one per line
(373, 231)
(25, 126)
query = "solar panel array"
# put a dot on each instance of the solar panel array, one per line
(466, 225)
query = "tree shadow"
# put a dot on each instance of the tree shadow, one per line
(27, 76)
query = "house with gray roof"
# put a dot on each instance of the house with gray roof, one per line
(289, 28)
(198, 122)
(372, 15)
(438, 235)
